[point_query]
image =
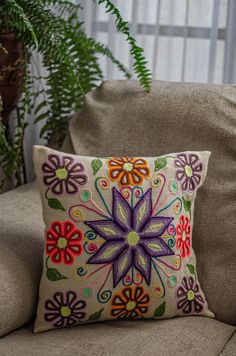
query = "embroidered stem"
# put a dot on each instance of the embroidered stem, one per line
(86, 207)
(171, 267)
(158, 198)
(166, 207)
(163, 286)
(101, 196)
(137, 195)
(98, 269)
(46, 194)
(47, 262)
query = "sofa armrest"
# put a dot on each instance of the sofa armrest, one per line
(21, 248)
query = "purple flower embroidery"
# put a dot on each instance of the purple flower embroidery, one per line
(65, 309)
(190, 300)
(63, 175)
(132, 237)
(188, 171)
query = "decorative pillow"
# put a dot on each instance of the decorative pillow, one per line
(118, 240)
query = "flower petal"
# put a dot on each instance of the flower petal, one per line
(121, 211)
(197, 168)
(197, 178)
(122, 265)
(156, 247)
(106, 229)
(71, 187)
(50, 179)
(142, 262)
(57, 187)
(136, 177)
(58, 298)
(47, 167)
(60, 323)
(193, 158)
(187, 307)
(185, 184)
(78, 315)
(156, 226)
(50, 305)
(67, 161)
(180, 175)
(78, 305)
(142, 211)
(54, 160)
(52, 316)
(181, 292)
(128, 294)
(108, 252)
(185, 283)
(70, 297)
(183, 158)
(80, 179)
(198, 307)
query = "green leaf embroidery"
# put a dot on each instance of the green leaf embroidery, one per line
(160, 163)
(96, 315)
(187, 204)
(160, 310)
(191, 268)
(55, 204)
(96, 165)
(54, 275)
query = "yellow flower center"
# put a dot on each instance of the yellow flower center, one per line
(133, 238)
(190, 295)
(61, 173)
(188, 170)
(128, 167)
(131, 305)
(65, 311)
(62, 243)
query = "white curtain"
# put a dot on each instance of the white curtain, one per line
(183, 40)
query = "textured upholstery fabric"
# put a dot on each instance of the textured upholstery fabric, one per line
(130, 256)
(21, 241)
(230, 347)
(195, 336)
(120, 118)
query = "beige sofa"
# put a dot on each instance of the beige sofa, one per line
(119, 118)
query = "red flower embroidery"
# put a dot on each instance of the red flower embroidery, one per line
(183, 230)
(63, 242)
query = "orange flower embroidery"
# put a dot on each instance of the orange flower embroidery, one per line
(127, 171)
(131, 302)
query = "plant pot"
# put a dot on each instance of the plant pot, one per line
(12, 72)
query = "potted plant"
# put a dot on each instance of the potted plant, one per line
(51, 29)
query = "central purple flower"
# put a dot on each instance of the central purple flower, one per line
(132, 237)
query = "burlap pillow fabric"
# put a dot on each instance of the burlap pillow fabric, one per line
(118, 239)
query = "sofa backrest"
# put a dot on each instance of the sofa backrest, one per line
(119, 118)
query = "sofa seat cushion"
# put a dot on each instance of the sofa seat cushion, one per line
(180, 336)
(21, 248)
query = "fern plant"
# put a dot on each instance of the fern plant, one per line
(71, 68)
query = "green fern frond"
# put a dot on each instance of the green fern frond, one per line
(71, 69)
(105, 51)
(140, 63)
(12, 10)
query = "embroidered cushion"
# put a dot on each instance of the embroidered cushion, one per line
(118, 238)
